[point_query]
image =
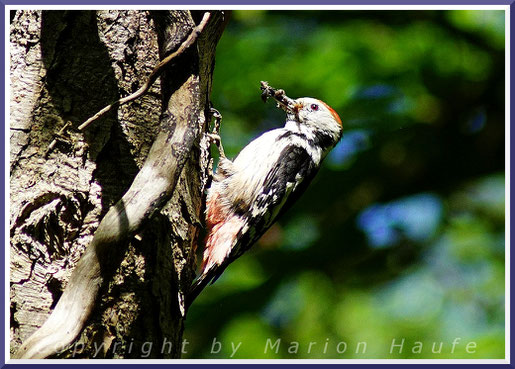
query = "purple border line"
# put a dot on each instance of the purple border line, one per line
(265, 366)
(258, 2)
(2, 185)
(512, 222)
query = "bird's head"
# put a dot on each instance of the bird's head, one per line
(306, 112)
(316, 114)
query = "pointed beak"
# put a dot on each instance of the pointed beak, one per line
(297, 106)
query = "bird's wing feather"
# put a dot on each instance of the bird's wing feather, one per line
(281, 188)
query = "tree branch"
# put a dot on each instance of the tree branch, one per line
(154, 75)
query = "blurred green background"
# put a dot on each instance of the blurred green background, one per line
(402, 234)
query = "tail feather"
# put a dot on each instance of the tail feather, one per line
(202, 281)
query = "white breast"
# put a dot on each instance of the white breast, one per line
(253, 164)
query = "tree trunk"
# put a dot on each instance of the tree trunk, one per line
(65, 66)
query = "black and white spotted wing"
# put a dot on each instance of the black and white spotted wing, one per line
(281, 189)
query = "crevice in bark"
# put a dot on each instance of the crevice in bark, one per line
(75, 77)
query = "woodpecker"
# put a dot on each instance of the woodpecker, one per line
(248, 194)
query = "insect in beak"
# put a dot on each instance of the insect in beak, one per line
(283, 101)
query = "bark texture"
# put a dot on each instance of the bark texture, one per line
(142, 170)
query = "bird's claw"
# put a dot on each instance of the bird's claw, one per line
(218, 120)
(214, 136)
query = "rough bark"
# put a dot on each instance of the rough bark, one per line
(65, 66)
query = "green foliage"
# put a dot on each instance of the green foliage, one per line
(402, 234)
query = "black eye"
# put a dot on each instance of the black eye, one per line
(314, 107)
